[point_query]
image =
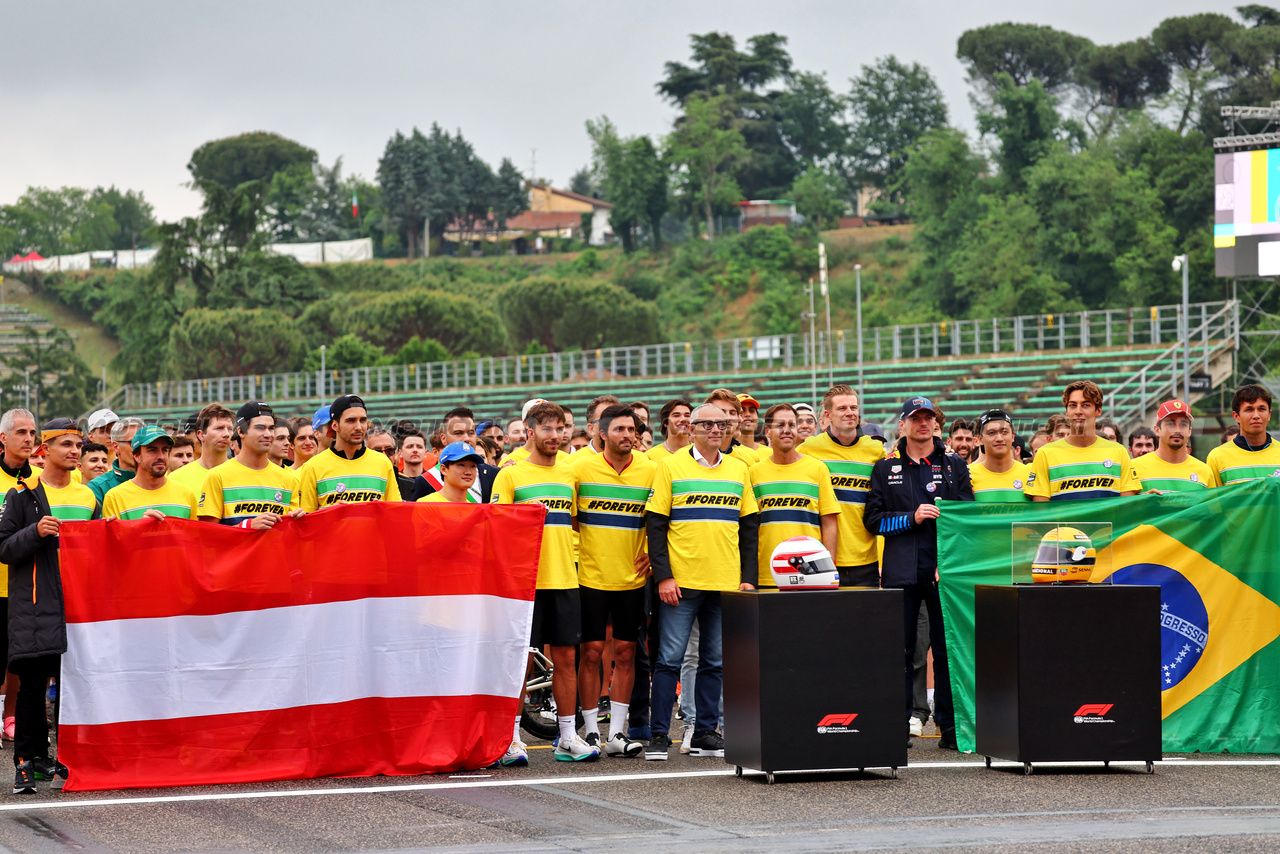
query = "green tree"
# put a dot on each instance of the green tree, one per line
(1120, 78)
(265, 281)
(1025, 52)
(236, 341)
(812, 122)
(346, 352)
(60, 382)
(256, 156)
(1025, 123)
(391, 320)
(133, 215)
(635, 180)
(706, 148)
(1189, 45)
(892, 106)
(58, 222)
(508, 196)
(819, 198)
(417, 351)
(561, 314)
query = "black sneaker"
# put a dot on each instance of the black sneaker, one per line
(659, 747)
(947, 741)
(707, 744)
(593, 739)
(24, 780)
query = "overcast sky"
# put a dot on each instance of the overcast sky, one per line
(121, 93)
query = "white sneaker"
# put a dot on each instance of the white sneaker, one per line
(688, 737)
(620, 745)
(575, 749)
(917, 725)
(517, 754)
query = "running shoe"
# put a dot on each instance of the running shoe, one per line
(575, 749)
(24, 780)
(622, 746)
(916, 725)
(517, 755)
(659, 747)
(688, 737)
(707, 744)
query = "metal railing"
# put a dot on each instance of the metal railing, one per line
(956, 338)
(1162, 377)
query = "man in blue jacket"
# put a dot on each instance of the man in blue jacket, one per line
(901, 508)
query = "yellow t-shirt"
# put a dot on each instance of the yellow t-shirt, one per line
(611, 519)
(192, 475)
(129, 501)
(747, 455)
(1062, 471)
(850, 467)
(8, 482)
(330, 478)
(658, 453)
(521, 454)
(705, 505)
(233, 492)
(1190, 475)
(994, 488)
(792, 500)
(73, 503)
(1231, 463)
(554, 488)
(434, 498)
(75, 476)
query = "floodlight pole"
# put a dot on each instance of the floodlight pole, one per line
(826, 297)
(1180, 263)
(857, 270)
(813, 346)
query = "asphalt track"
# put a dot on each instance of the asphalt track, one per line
(943, 801)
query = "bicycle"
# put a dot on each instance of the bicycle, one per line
(538, 714)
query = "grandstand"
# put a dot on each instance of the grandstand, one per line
(1020, 364)
(14, 320)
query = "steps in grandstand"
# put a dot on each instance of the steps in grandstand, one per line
(13, 323)
(1028, 384)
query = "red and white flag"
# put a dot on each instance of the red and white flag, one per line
(366, 639)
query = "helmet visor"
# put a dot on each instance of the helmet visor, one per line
(1059, 554)
(812, 564)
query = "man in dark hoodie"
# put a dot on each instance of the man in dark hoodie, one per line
(900, 507)
(34, 511)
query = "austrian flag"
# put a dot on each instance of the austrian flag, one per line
(362, 639)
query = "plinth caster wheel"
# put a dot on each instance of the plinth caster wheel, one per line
(737, 770)
(768, 778)
(1151, 767)
(1026, 768)
(988, 758)
(893, 772)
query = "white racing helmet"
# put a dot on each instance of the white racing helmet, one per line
(803, 563)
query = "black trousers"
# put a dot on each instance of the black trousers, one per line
(31, 728)
(863, 575)
(912, 596)
(638, 712)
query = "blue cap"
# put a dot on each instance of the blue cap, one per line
(484, 425)
(457, 451)
(321, 419)
(912, 405)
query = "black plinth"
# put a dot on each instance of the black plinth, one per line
(813, 680)
(1067, 673)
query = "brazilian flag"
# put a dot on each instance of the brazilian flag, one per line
(1215, 555)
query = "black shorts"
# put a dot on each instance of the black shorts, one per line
(623, 608)
(557, 618)
(865, 575)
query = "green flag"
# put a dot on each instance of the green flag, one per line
(1215, 555)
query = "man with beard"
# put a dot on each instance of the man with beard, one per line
(151, 494)
(1170, 467)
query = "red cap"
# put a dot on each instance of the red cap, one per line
(1172, 407)
(748, 400)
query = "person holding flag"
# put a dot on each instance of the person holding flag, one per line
(456, 475)
(1252, 454)
(151, 494)
(1170, 467)
(37, 633)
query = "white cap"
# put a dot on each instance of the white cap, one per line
(102, 418)
(802, 406)
(529, 404)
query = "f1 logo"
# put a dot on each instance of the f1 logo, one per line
(1094, 709)
(841, 720)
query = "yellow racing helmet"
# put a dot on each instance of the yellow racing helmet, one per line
(1065, 554)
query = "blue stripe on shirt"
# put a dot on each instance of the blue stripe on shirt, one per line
(804, 517)
(704, 514)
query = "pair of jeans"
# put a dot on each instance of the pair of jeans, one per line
(912, 596)
(689, 681)
(676, 624)
(31, 728)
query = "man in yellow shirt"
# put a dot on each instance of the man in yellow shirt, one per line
(546, 478)
(249, 490)
(703, 528)
(150, 495)
(1082, 465)
(793, 492)
(1253, 453)
(348, 472)
(850, 455)
(612, 488)
(674, 422)
(727, 402)
(214, 426)
(1170, 467)
(998, 476)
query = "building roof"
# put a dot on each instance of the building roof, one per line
(599, 203)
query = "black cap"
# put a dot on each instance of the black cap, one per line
(252, 410)
(61, 424)
(993, 415)
(342, 404)
(874, 431)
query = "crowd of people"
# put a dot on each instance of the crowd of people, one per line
(648, 521)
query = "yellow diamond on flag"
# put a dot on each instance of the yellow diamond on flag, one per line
(1210, 621)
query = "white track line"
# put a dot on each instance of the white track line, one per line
(25, 806)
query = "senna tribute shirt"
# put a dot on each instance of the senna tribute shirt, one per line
(1062, 471)
(554, 487)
